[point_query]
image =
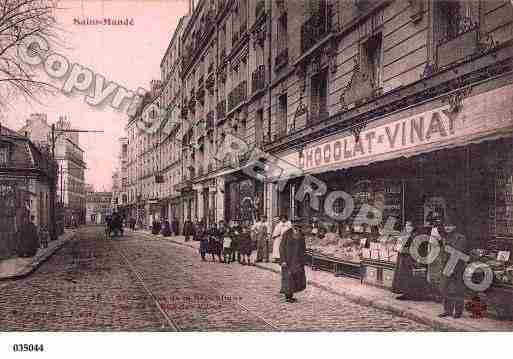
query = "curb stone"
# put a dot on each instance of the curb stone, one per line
(437, 324)
(33, 266)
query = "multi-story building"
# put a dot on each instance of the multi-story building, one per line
(169, 148)
(143, 164)
(153, 164)
(224, 79)
(27, 174)
(70, 158)
(394, 102)
(98, 206)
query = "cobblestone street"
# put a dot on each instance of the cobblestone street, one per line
(140, 284)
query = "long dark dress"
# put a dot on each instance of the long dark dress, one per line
(245, 245)
(212, 240)
(174, 226)
(292, 252)
(403, 276)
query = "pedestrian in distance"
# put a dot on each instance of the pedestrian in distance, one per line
(222, 232)
(293, 261)
(43, 236)
(211, 233)
(175, 225)
(188, 230)
(166, 229)
(236, 232)
(245, 245)
(262, 240)
(227, 246)
(204, 246)
(28, 240)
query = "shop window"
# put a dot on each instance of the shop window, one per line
(319, 97)
(372, 55)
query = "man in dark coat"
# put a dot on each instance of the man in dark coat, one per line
(293, 260)
(452, 287)
(188, 230)
(166, 229)
(28, 239)
(175, 225)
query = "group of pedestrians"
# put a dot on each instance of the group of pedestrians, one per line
(236, 242)
(249, 244)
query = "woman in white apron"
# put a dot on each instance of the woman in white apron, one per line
(278, 232)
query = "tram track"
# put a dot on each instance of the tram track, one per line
(198, 286)
(171, 324)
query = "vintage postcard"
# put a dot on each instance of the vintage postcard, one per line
(255, 165)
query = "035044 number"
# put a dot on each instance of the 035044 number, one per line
(28, 347)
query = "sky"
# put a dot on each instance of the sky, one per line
(127, 55)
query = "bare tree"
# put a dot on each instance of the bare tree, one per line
(20, 19)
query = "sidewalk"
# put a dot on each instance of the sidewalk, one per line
(352, 289)
(16, 268)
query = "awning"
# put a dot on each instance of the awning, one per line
(487, 116)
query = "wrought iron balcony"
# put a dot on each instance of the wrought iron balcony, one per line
(237, 95)
(258, 79)
(315, 29)
(221, 109)
(459, 41)
(282, 59)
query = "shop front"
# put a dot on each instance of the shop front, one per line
(244, 198)
(436, 159)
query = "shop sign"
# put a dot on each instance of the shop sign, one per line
(482, 115)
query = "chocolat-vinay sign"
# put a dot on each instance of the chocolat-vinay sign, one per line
(483, 116)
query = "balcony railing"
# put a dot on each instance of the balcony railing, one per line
(237, 95)
(282, 59)
(258, 79)
(315, 29)
(459, 41)
(221, 109)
